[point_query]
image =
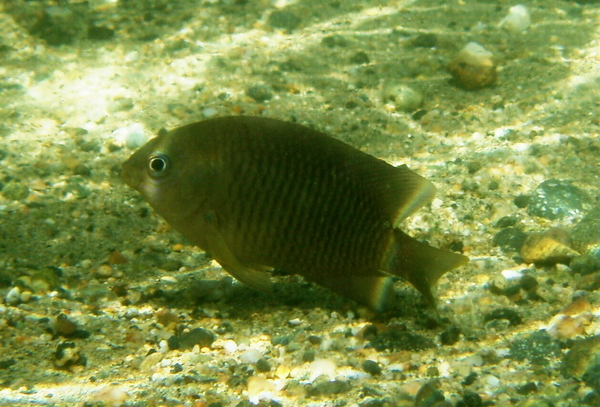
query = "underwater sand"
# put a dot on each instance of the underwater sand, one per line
(76, 242)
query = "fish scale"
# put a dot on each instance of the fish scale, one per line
(260, 193)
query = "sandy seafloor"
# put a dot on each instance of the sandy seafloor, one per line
(93, 284)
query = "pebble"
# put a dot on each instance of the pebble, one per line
(15, 191)
(450, 336)
(68, 354)
(403, 97)
(585, 264)
(508, 314)
(371, 367)
(587, 231)
(397, 338)
(548, 248)
(197, 336)
(13, 297)
(473, 67)
(259, 92)
(250, 356)
(64, 326)
(328, 388)
(510, 239)
(263, 365)
(536, 402)
(132, 136)
(554, 199)
(285, 20)
(517, 20)
(104, 271)
(470, 399)
(537, 347)
(424, 40)
(360, 58)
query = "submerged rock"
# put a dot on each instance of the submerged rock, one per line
(554, 199)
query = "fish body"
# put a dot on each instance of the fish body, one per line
(261, 194)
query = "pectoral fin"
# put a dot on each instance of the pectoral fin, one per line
(257, 279)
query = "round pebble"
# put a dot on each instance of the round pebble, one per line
(517, 20)
(371, 367)
(403, 97)
(285, 20)
(259, 93)
(554, 199)
(473, 67)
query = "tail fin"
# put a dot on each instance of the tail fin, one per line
(420, 264)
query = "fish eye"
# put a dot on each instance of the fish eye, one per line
(158, 165)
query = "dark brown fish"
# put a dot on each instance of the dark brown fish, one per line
(261, 194)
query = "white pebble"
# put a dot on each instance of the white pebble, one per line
(251, 356)
(517, 20)
(163, 346)
(511, 274)
(295, 322)
(133, 136)
(230, 346)
(322, 367)
(492, 381)
(209, 112)
(13, 297)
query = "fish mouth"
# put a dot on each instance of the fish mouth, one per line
(130, 176)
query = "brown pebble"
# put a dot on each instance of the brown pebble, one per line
(116, 257)
(548, 248)
(577, 307)
(473, 67)
(166, 317)
(64, 326)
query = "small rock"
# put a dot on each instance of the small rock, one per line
(424, 40)
(197, 336)
(589, 282)
(430, 395)
(104, 271)
(67, 355)
(536, 402)
(403, 97)
(396, 338)
(583, 355)
(285, 20)
(251, 356)
(517, 20)
(259, 92)
(334, 40)
(585, 264)
(537, 347)
(510, 315)
(527, 388)
(510, 239)
(470, 399)
(64, 326)
(450, 336)
(548, 248)
(554, 199)
(473, 67)
(263, 365)
(15, 191)
(328, 388)
(587, 232)
(360, 57)
(13, 297)
(371, 367)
